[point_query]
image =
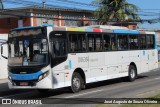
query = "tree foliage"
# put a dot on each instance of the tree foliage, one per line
(119, 10)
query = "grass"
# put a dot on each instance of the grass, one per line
(157, 96)
(140, 105)
(129, 105)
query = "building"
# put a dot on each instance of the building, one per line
(37, 16)
(158, 38)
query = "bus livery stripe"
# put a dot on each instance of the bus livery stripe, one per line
(33, 76)
(126, 31)
(70, 64)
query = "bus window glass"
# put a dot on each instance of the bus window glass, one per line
(98, 44)
(133, 42)
(77, 42)
(122, 41)
(142, 41)
(73, 42)
(91, 42)
(150, 41)
(32, 51)
(58, 44)
(113, 42)
(107, 43)
(81, 42)
(59, 47)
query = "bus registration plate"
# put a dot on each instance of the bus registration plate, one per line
(23, 83)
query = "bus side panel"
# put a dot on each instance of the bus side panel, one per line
(134, 57)
(96, 64)
(152, 59)
(58, 74)
(62, 73)
(113, 65)
(144, 61)
(77, 61)
(124, 61)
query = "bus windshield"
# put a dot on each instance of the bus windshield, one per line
(30, 50)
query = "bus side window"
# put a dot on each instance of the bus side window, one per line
(91, 46)
(150, 41)
(98, 42)
(59, 47)
(122, 41)
(142, 41)
(107, 45)
(77, 42)
(113, 42)
(133, 42)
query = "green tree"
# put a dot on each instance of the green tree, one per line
(119, 10)
(1, 5)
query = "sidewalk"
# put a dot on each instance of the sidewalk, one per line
(3, 86)
(3, 81)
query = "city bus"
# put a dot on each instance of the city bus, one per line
(45, 57)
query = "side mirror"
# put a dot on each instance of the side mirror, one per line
(2, 51)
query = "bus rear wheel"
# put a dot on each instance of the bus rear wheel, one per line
(76, 83)
(132, 73)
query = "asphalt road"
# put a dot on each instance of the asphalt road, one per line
(146, 85)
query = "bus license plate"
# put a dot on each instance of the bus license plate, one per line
(23, 83)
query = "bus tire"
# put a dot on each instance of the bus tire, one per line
(42, 91)
(132, 73)
(76, 83)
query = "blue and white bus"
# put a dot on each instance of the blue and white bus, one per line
(46, 58)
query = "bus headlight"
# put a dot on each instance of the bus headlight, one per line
(43, 76)
(9, 77)
(40, 77)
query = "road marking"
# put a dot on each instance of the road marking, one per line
(144, 93)
(148, 92)
(83, 94)
(157, 78)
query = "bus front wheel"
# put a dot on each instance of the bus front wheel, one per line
(132, 74)
(76, 84)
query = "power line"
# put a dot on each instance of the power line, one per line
(143, 20)
(25, 2)
(78, 3)
(31, 3)
(22, 11)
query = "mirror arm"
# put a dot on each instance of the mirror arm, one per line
(4, 57)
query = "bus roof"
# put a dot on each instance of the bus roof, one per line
(101, 28)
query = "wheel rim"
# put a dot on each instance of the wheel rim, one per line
(76, 83)
(132, 73)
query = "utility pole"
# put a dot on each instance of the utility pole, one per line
(1, 5)
(44, 3)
